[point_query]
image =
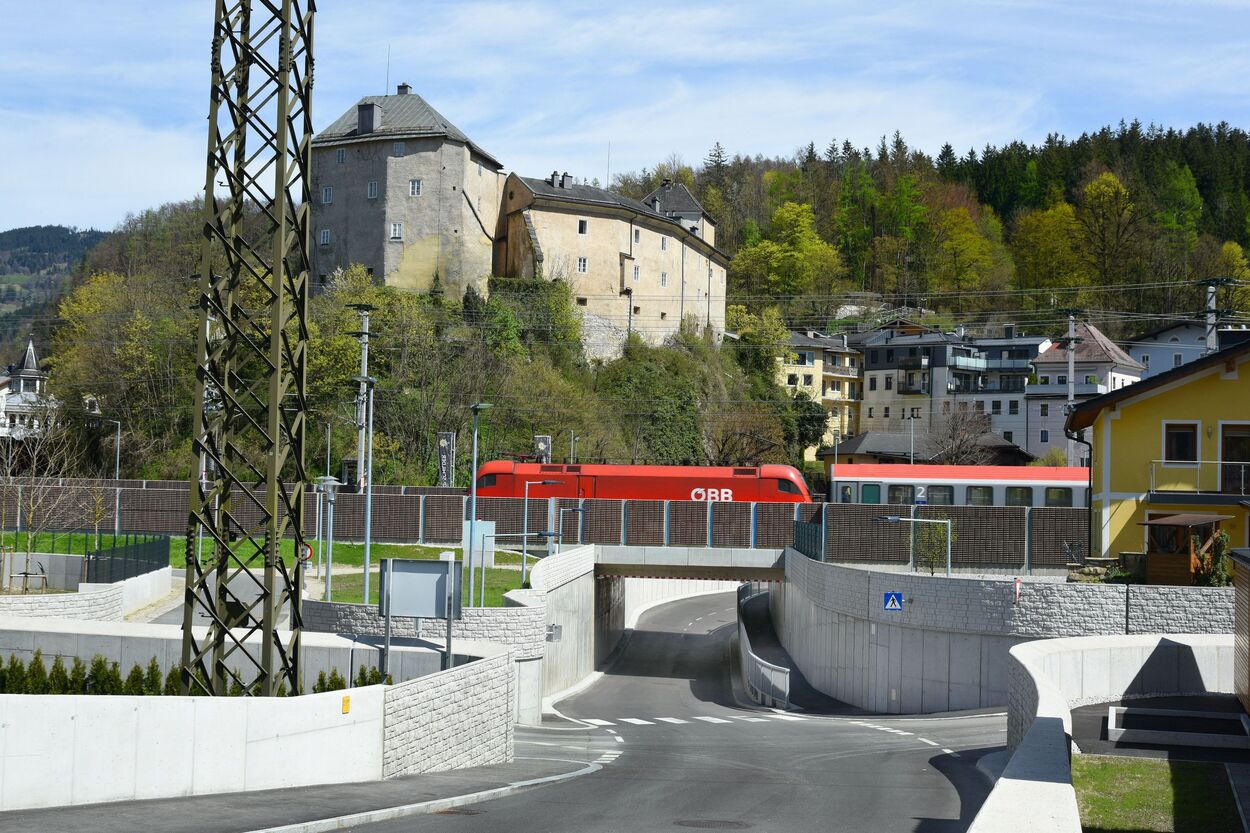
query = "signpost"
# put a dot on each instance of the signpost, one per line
(892, 602)
(418, 590)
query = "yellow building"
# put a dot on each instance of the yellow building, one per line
(828, 371)
(1176, 443)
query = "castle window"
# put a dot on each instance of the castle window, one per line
(414, 187)
(398, 148)
(637, 273)
(664, 279)
(397, 231)
(325, 237)
(372, 190)
(664, 244)
(582, 266)
(637, 236)
(582, 226)
(327, 195)
(581, 302)
(340, 155)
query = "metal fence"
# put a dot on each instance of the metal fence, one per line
(808, 539)
(129, 556)
(766, 683)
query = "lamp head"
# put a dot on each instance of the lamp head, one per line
(480, 406)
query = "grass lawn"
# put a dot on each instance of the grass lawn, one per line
(348, 588)
(1134, 795)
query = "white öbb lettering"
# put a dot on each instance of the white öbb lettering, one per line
(715, 495)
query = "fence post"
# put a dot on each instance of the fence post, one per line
(117, 511)
(824, 531)
(1028, 540)
(755, 539)
(709, 524)
(911, 540)
(667, 510)
(581, 521)
(624, 521)
(421, 519)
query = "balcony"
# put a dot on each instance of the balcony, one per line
(913, 363)
(917, 389)
(841, 372)
(1008, 365)
(967, 363)
(956, 387)
(1054, 389)
(1200, 481)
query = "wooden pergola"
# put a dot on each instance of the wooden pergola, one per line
(1172, 555)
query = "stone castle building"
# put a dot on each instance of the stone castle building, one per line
(402, 191)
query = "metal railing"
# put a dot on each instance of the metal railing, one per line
(767, 684)
(809, 539)
(129, 556)
(1200, 477)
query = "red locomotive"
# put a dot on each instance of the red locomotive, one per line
(764, 484)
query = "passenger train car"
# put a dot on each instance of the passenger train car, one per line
(764, 484)
(960, 485)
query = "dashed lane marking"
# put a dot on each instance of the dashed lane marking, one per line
(926, 740)
(751, 719)
(671, 720)
(594, 722)
(786, 717)
(637, 721)
(712, 720)
(948, 751)
(620, 739)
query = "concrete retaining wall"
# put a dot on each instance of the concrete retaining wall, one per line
(450, 720)
(61, 749)
(947, 648)
(98, 602)
(1049, 678)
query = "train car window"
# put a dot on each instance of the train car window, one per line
(1058, 496)
(1019, 495)
(486, 481)
(870, 493)
(980, 495)
(845, 496)
(899, 493)
(787, 487)
(941, 495)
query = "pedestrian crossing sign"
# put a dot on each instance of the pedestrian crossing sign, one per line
(893, 602)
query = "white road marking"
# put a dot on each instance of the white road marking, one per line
(637, 721)
(620, 739)
(712, 720)
(672, 720)
(594, 722)
(948, 751)
(786, 717)
(751, 719)
(926, 740)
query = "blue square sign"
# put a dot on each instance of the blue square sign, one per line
(892, 603)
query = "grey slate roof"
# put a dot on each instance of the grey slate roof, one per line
(890, 444)
(588, 194)
(30, 362)
(675, 198)
(403, 116)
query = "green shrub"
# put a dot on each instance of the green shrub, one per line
(152, 680)
(134, 682)
(362, 677)
(58, 678)
(78, 677)
(320, 685)
(336, 681)
(15, 676)
(173, 682)
(98, 676)
(116, 685)
(236, 690)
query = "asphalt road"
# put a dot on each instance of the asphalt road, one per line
(679, 750)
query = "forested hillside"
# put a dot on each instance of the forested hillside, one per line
(1120, 222)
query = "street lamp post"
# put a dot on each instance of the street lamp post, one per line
(369, 383)
(117, 448)
(329, 485)
(525, 523)
(911, 430)
(894, 519)
(477, 410)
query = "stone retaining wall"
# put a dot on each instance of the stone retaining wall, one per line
(450, 720)
(103, 603)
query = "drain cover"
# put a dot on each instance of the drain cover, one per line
(712, 824)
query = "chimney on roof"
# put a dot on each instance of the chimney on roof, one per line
(368, 118)
(403, 89)
(655, 204)
(565, 180)
(960, 330)
(555, 179)
(666, 183)
(1009, 331)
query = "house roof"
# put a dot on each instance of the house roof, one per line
(1185, 519)
(1091, 346)
(405, 115)
(889, 444)
(30, 362)
(1158, 331)
(1086, 412)
(819, 341)
(675, 198)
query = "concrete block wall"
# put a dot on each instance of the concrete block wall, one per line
(450, 720)
(948, 647)
(1050, 677)
(102, 603)
(72, 749)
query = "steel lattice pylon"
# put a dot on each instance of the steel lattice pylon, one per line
(250, 402)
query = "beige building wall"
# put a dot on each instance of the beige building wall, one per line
(446, 228)
(833, 381)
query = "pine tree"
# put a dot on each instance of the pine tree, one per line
(152, 679)
(321, 685)
(15, 676)
(98, 676)
(78, 677)
(134, 681)
(173, 682)
(58, 678)
(336, 681)
(36, 675)
(115, 685)
(716, 165)
(362, 677)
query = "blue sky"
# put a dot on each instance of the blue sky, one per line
(104, 115)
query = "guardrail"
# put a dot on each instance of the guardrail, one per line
(767, 684)
(1213, 477)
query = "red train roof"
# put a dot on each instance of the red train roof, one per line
(511, 467)
(1055, 474)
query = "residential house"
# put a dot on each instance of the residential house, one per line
(633, 266)
(1099, 366)
(24, 402)
(398, 188)
(878, 447)
(1176, 343)
(827, 369)
(1175, 443)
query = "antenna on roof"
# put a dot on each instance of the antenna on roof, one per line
(607, 180)
(386, 89)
